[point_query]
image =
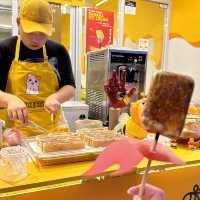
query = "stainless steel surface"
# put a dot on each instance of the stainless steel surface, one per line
(97, 73)
(100, 64)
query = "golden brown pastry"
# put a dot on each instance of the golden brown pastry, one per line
(59, 142)
(97, 137)
(167, 103)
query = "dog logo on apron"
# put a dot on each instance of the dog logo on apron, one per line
(32, 85)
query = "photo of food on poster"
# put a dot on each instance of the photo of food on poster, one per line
(99, 29)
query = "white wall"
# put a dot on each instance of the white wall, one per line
(185, 59)
(6, 2)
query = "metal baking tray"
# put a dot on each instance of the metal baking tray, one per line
(59, 157)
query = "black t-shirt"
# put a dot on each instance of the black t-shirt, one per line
(58, 57)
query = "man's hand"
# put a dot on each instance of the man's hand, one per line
(17, 109)
(52, 105)
(116, 90)
(150, 191)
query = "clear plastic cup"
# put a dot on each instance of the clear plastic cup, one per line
(13, 163)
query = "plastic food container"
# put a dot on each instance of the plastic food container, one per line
(13, 163)
(88, 123)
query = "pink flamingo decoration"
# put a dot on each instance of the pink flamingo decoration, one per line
(128, 153)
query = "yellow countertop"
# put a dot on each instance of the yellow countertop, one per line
(72, 173)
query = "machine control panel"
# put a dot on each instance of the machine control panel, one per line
(128, 58)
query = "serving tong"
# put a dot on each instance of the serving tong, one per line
(36, 126)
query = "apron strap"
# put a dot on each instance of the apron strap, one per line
(18, 49)
(45, 54)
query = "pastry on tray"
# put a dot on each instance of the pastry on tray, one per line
(97, 137)
(58, 142)
(191, 130)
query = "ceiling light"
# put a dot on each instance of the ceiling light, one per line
(101, 2)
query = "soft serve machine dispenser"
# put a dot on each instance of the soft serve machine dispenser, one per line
(99, 68)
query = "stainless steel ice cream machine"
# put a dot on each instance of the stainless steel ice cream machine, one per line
(100, 65)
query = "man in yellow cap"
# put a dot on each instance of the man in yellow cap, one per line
(35, 73)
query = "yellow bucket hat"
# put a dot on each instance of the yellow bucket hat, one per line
(36, 16)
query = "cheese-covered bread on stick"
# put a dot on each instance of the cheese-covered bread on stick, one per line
(167, 103)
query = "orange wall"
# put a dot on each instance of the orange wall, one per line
(185, 20)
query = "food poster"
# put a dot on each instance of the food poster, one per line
(99, 29)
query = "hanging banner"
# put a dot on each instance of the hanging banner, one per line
(99, 29)
(70, 2)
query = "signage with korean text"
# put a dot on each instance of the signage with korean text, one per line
(99, 29)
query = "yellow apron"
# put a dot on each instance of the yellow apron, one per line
(33, 83)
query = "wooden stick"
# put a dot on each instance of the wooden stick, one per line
(145, 176)
(52, 118)
(36, 126)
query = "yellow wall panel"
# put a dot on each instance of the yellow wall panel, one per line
(147, 23)
(65, 30)
(185, 20)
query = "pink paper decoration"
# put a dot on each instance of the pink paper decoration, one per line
(127, 153)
